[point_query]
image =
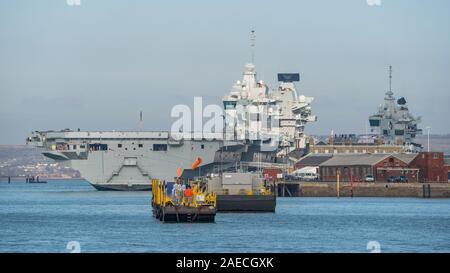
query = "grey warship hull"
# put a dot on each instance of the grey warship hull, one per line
(122, 187)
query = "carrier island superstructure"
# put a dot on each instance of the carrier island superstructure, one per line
(393, 124)
(128, 160)
(393, 129)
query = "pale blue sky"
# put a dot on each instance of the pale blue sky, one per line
(96, 65)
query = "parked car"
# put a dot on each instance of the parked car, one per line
(306, 174)
(392, 178)
(369, 178)
(403, 179)
(400, 178)
(308, 177)
(290, 177)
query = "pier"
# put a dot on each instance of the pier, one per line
(10, 179)
(26, 179)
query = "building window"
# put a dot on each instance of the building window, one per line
(203, 146)
(140, 145)
(374, 122)
(74, 147)
(159, 147)
(62, 146)
(229, 104)
(435, 156)
(82, 146)
(119, 145)
(98, 147)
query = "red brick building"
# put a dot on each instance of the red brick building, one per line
(358, 166)
(397, 165)
(447, 167)
(432, 167)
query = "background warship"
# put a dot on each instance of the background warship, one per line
(393, 124)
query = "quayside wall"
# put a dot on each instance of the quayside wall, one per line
(328, 189)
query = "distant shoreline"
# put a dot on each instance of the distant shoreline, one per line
(43, 178)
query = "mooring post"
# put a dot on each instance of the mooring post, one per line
(338, 173)
(351, 185)
(288, 191)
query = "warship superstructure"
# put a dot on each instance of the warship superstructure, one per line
(393, 124)
(278, 117)
(128, 160)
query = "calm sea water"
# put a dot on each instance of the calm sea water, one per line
(45, 217)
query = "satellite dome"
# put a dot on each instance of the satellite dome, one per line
(401, 101)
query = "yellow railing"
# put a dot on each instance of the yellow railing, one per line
(199, 197)
(265, 191)
(159, 194)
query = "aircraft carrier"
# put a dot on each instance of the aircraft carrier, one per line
(128, 160)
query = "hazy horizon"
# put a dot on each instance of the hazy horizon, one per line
(95, 66)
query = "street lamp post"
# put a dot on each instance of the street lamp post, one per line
(428, 138)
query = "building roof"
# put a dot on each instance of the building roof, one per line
(365, 159)
(314, 159)
(321, 143)
(354, 159)
(407, 158)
